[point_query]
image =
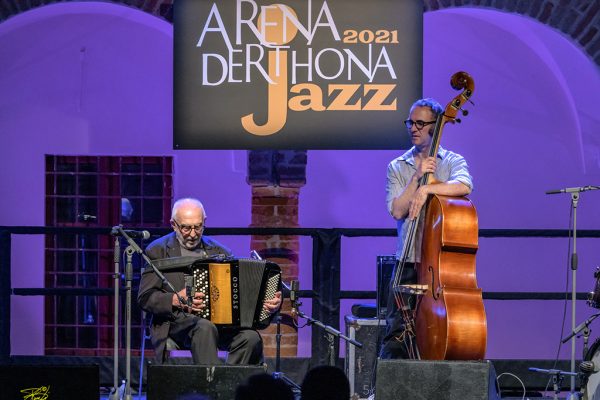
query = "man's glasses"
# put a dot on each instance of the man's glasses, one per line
(419, 124)
(187, 229)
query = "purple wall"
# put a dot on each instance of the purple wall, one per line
(96, 78)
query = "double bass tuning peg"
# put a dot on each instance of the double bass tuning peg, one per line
(464, 113)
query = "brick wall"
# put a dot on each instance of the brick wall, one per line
(276, 178)
(577, 19)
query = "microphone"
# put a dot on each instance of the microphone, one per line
(294, 287)
(130, 233)
(137, 234)
(573, 189)
(86, 217)
(189, 289)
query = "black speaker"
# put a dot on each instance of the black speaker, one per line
(436, 380)
(385, 269)
(64, 382)
(207, 382)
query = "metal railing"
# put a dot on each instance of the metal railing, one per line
(326, 271)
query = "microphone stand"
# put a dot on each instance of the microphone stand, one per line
(278, 374)
(133, 247)
(331, 333)
(584, 326)
(114, 393)
(574, 202)
(557, 377)
(581, 327)
(128, 279)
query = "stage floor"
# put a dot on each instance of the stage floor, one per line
(294, 368)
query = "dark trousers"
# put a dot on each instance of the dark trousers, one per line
(204, 339)
(395, 344)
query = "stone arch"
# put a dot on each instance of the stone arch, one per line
(577, 19)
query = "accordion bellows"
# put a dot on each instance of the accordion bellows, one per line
(236, 290)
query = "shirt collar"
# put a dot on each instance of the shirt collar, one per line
(409, 156)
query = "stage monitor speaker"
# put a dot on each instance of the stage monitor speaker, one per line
(60, 382)
(436, 380)
(179, 382)
(385, 270)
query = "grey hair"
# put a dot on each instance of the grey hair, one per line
(186, 201)
(436, 108)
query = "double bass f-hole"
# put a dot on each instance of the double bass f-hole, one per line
(435, 290)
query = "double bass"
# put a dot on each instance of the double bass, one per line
(449, 320)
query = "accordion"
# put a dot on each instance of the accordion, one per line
(236, 290)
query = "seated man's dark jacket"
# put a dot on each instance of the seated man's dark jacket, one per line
(156, 298)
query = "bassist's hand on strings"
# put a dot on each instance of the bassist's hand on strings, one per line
(417, 202)
(425, 166)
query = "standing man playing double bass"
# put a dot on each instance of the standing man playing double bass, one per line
(405, 199)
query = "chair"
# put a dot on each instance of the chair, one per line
(172, 349)
(171, 346)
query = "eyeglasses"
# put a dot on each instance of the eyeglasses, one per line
(419, 124)
(187, 229)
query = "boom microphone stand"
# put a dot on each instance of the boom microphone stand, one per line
(331, 332)
(278, 374)
(574, 201)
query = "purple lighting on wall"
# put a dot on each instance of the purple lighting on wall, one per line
(534, 127)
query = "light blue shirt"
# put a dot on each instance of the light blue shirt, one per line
(450, 166)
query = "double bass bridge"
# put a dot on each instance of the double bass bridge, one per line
(412, 289)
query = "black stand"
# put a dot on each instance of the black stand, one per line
(114, 393)
(128, 279)
(557, 378)
(585, 367)
(330, 332)
(584, 326)
(130, 250)
(278, 374)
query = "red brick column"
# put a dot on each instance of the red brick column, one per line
(276, 178)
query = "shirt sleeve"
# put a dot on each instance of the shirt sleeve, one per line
(459, 171)
(395, 184)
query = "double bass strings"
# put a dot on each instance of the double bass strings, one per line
(408, 334)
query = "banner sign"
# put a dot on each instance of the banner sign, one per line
(297, 74)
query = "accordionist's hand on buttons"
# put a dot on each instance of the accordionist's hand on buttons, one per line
(197, 303)
(272, 305)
